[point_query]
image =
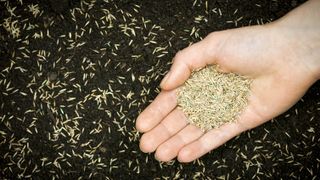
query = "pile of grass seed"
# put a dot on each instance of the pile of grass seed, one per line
(210, 98)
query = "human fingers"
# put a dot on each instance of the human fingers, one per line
(169, 126)
(193, 57)
(209, 141)
(214, 138)
(163, 104)
(170, 148)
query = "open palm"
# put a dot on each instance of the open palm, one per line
(263, 53)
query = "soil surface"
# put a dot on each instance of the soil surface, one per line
(75, 75)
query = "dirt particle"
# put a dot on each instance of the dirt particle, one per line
(52, 76)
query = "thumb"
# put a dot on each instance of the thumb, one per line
(191, 58)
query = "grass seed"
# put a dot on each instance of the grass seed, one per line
(210, 98)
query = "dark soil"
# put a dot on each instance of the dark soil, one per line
(77, 75)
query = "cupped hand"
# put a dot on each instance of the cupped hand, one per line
(263, 53)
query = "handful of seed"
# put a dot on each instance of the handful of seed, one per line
(210, 98)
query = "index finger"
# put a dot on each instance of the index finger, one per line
(193, 57)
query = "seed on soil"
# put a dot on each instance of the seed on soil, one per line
(73, 80)
(211, 98)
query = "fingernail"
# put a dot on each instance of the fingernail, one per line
(165, 79)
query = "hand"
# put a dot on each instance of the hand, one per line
(282, 70)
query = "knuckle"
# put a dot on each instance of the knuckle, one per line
(178, 57)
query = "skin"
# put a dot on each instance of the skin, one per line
(282, 58)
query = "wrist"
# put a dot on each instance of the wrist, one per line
(301, 30)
